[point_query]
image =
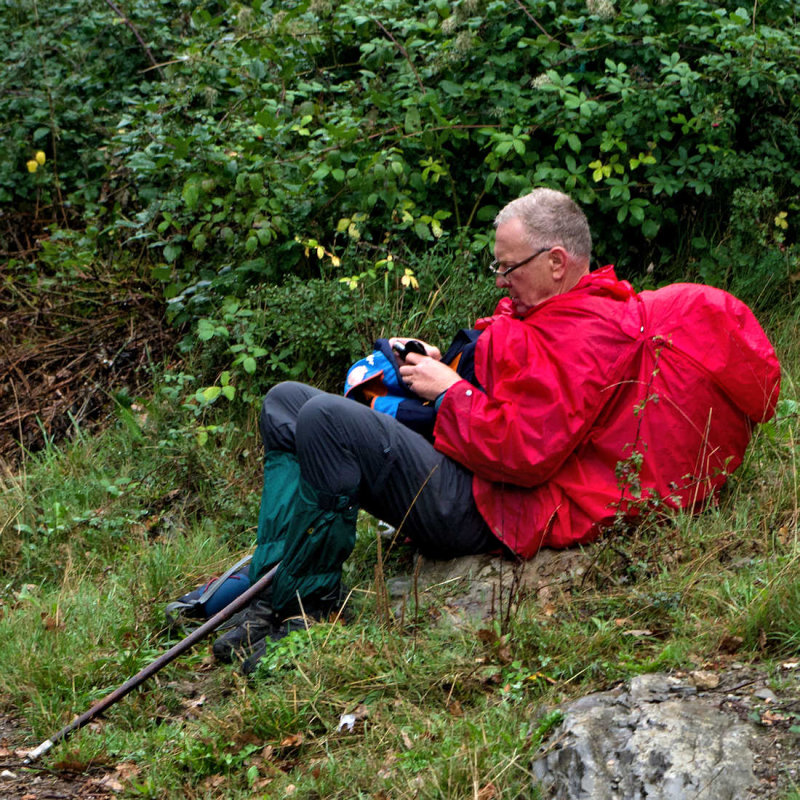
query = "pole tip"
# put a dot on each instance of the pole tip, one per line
(38, 752)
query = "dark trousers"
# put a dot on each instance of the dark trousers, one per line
(345, 448)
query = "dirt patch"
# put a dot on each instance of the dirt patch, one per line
(772, 705)
(40, 783)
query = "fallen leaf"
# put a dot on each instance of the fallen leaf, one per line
(127, 770)
(487, 792)
(51, 623)
(109, 782)
(771, 717)
(487, 636)
(290, 790)
(540, 676)
(293, 740)
(454, 707)
(730, 644)
(267, 752)
(407, 740)
(637, 632)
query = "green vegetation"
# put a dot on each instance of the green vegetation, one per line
(283, 181)
(99, 534)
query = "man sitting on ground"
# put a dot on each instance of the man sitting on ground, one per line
(591, 403)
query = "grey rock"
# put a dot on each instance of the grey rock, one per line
(399, 587)
(766, 694)
(480, 587)
(649, 740)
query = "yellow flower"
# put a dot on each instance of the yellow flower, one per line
(780, 220)
(40, 158)
(408, 280)
(32, 165)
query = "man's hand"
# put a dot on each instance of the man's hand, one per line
(427, 376)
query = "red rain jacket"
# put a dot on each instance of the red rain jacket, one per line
(601, 402)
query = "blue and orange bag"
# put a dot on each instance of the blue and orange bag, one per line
(375, 381)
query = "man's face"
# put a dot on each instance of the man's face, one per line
(534, 281)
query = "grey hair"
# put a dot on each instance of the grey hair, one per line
(550, 218)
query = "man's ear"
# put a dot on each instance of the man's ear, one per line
(558, 263)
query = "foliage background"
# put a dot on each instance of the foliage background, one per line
(224, 145)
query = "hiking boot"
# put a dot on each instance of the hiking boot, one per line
(317, 609)
(259, 649)
(251, 625)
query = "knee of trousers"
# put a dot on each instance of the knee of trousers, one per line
(276, 408)
(325, 416)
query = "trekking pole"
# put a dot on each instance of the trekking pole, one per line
(151, 669)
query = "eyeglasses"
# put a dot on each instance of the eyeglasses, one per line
(494, 266)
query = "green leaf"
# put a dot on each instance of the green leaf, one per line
(453, 89)
(211, 393)
(249, 365)
(650, 228)
(422, 230)
(171, 252)
(229, 391)
(573, 140)
(412, 121)
(205, 330)
(161, 272)
(191, 193)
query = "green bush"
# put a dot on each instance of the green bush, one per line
(365, 122)
(312, 330)
(271, 131)
(71, 68)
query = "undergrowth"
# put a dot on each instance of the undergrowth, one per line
(98, 534)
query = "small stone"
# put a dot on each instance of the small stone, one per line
(399, 587)
(704, 679)
(7, 775)
(766, 694)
